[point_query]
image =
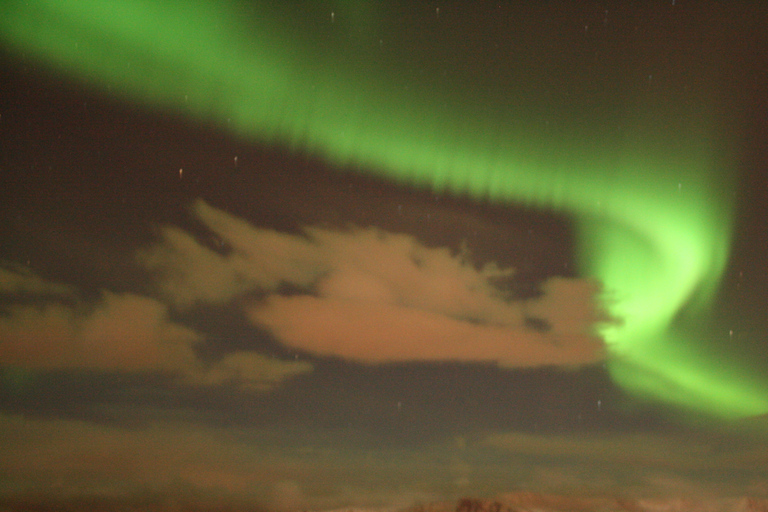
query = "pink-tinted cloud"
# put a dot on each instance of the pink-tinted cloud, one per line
(125, 333)
(640, 450)
(373, 332)
(81, 458)
(250, 258)
(20, 280)
(70, 458)
(249, 370)
(374, 296)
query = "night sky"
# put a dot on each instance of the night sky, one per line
(344, 254)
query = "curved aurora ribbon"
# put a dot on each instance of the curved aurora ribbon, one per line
(652, 222)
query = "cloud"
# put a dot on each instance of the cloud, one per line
(64, 458)
(249, 370)
(255, 259)
(374, 296)
(699, 464)
(82, 458)
(70, 458)
(120, 333)
(18, 280)
(378, 332)
(123, 332)
(647, 450)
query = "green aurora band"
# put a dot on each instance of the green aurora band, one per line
(652, 216)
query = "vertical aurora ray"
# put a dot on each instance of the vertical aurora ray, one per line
(648, 201)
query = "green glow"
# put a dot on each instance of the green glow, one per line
(648, 202)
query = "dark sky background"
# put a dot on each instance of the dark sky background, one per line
(166, 327)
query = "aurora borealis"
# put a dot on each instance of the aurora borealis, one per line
(618, 129)
(654, 223)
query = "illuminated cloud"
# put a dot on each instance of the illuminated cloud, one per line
(638, 450)
(254, 259)
(18, 280)
(114, 461)
(374, 296)
(185, 461)
(123, 332)
(705, 465)
(378, 332)
(250, 370)
(120, 333)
